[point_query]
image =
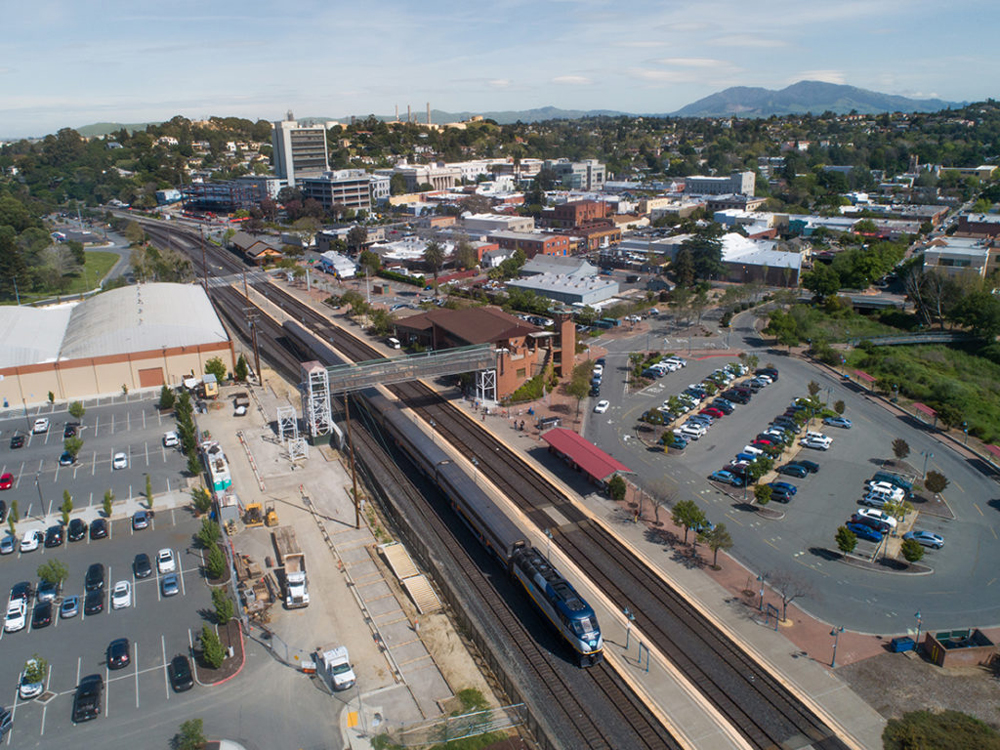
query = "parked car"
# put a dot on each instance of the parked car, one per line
(121, 595)
(171, 440)
(165, 562)
(926, 538)
(16, 617)
(169, 585)
(7, 545)
(54, 536)
(6, 480)
(87, 700)
(817, 443)
(66, 459)
(726, 477)
(675, 442)
(842, 422)
(47, 591)
(98, 528)
(93, 604)
(94, 580)
(747, 457)
(76, 530)
(70, 429)
(27, 688)
(811, 466)
(41, 425)
(788, 487)
(140, 520)
(16, 441)
(779, 495)
(31, 540)
(141, 567)
(119, 461)
(601, 406)
(874, 500)
(70, 607)
(712, 412)
(879, 526)
(181, 678)
(793, 470)
(692, 431)
(723, 405)
(42, 615)
(878, 515)
(862, 531)
(119, 653)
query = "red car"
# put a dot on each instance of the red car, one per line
(713, 412)
(761, 443)
(6, 481)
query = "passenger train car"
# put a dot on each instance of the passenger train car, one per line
(552, 594)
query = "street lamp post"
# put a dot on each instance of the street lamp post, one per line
(836, 638)
(548, 544)
(927, 456)
(920, 620)
(965, 429)
(38, 486)
(629, 619)
(760, 580)
(475, 464)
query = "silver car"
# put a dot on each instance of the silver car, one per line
(70, 607)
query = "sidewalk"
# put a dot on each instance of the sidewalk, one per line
(121, 509)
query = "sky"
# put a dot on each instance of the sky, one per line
(70, 63)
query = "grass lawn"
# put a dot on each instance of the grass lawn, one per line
(99, 262)
(944, 378)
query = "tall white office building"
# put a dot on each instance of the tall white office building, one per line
(299, 151)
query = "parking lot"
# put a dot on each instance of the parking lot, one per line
(157, 627)
(801, 541)
(131, 425)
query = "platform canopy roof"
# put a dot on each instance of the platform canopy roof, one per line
(585, 454)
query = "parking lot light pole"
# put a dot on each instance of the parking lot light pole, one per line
(760, 580)
(836, 638)
(548, 544)
(629, 619)
(927, 456)
(920, 620)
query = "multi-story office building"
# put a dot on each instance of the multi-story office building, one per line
(578, 175)
(299, 151)
(743, 183)
(350, 188)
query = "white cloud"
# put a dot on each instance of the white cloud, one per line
(747, 40)
(827, 76)
(693, 62)
(572, 80)
(499, 83)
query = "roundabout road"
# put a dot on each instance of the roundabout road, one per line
(959, 592)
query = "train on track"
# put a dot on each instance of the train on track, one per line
(551, 593)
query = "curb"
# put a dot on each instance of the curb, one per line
(243, 661)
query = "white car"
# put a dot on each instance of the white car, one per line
(41, 425)
(598, 371)
(165, 562)
(691, 431)
(26, 690)
(878, 515)
(752, 450)
(119, 461)
(121, 595)
(602, 406)
(17, 616)
(170, 440)
(819, 443)
(31, 540)
(894, 492)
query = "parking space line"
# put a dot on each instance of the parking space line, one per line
(90, 504)
(145, 447)
(128, 421)
(93, 468)
(78, 660)
(976, 506)
(143, 419)
(45, 708)
(97, 423)
(180, 570)
(135, 651)
(112, 424)
(166, 676)
(107, 688)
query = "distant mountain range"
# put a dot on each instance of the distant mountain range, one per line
(739, 101)
(805, 96)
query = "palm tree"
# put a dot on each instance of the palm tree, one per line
(434, 258)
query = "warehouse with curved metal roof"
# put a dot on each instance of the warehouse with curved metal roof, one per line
(134, 337)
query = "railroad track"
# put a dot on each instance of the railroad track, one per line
(616, 719)
(232, 305)
(765, 713)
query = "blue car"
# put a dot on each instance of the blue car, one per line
(676, 442)
(864, 532)
(746, 457)
(787, 487)
(843, 422)
(726, 477)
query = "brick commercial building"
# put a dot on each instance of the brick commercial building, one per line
(523, 350)
(532, 244)
(579, 213)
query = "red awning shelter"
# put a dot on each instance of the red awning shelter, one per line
(584, 455)
(993, 450)
(862, 375)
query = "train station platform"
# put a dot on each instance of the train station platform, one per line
(803, 668)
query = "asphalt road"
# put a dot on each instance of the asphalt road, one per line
(956, 594)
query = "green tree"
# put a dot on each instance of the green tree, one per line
(940, 730)
(215, 366)
(77, 410)
(109, 499)
(357, 238)
(225, 610)
(36, 669)
(191, 736)
(209, 533)
(370, 262)
(936, 482)
(717, 538)
(73, 445)
(167, 398)
(846, 540)
(193, 464)
(762, 494)
(705, 245)
(149, 491)
(813, 387)
(52, 397)
(66, 507)
(434, 258)
(211, 648)
(242, 369)
(201, 499)
(687, 514)
(900, 448)
(579, 383)
(912, 550)
(822, 280)
(215, 562)
(53, 571)
(683, 267)
(13, 516)
(465, 254)
(617, 488)
(839, 407)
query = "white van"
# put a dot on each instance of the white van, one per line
(392, 342)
